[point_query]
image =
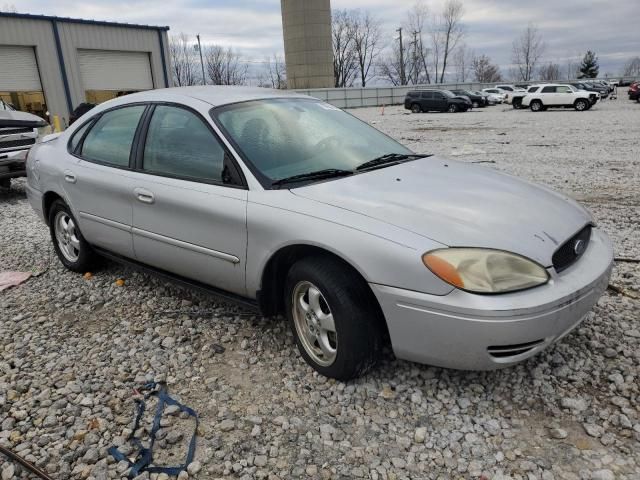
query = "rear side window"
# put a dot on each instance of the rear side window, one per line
(179, 143)
(427, 95)
(77, 137)
(110, 139)
(549, 90)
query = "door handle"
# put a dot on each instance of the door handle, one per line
(70, 177)
(144, 196)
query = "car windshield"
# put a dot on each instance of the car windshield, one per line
(286, 137)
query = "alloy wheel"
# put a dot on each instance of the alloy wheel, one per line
(314, 323)
(67, 236)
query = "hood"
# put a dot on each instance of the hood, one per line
(464, 98)
(12, 118)
(459, 204)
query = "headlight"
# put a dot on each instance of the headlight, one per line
(42, 131)
(481, 270)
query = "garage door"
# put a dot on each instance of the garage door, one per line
(112, 70)
(18, 69)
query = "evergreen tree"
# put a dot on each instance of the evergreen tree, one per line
(589, 67)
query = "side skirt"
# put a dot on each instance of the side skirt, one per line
(182, 281)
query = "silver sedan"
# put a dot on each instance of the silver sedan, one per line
(294, 207)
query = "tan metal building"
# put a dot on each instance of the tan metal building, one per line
(306, 26)
(52, 64)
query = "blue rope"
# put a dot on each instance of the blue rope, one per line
(144, 458)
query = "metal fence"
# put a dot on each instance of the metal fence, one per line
(355, 97)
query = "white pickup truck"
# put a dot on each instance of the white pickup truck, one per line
(552, 95)
(19, 131)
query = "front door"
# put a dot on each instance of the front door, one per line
(189, 206)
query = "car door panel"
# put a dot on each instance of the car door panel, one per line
(103, 204)
(191, 229)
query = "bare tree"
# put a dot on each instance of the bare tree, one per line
(452, 31)
(224, 66)
(463, 63)
(183, 61)
(632, 67)
(527, 51)
(484, 71)
(345, 64)
(549, 72)
(366, 43)
(275, 73)
(391, 67)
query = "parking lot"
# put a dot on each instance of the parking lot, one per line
(73, 348)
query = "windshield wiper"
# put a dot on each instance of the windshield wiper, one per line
(388, 159)
(317, 175)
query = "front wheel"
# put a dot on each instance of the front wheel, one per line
(333, 317)
(453, 108)
(72, 249)
(475, 105)
(581, 105)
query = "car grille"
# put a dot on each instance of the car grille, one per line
(12, 131)
(571, 250)
(18, 143)
(505, 351)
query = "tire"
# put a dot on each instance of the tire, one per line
(453, 108)
(416, 108)
(536, 106)
(5, 183)
(475, 105)
(72, 249)
(354, 345)
(581, 105)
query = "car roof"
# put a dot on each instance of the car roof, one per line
(214, 95)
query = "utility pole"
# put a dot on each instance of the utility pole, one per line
(204, 80)
(403, 80)
(414, 67)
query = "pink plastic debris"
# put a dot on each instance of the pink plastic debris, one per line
(12, 279)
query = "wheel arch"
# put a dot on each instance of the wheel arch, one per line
(47, 200)
(270, 296)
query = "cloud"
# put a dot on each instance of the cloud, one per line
(254, 27)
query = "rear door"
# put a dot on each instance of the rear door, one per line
(427, 101)
(189, 201)
(99, 182)
(564, 95)
(548, 95)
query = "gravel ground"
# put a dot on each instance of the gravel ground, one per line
(72, 349)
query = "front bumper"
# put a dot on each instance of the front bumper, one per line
(12, 163)
(482, 332)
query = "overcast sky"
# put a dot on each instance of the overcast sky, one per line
(254, 27)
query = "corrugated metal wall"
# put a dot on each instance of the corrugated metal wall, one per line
(39, 33)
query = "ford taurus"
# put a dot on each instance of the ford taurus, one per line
(296, 207)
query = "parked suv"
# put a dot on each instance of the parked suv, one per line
(592, 87)
(541, 97)
(435, 100)
(477, 100)
(19, 131)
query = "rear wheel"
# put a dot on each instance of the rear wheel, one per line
(72, 249)
(536, 106)
(453, 108)
(333, 317)
(581, 104)
(415, 108)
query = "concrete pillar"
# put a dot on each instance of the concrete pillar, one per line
(306, 25)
